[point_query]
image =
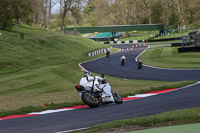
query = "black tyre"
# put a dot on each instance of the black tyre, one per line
(117, 98)
(107, 56)
(90, 100)
(139, 66)
(122, 63)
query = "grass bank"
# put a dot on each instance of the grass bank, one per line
(36, 71)
(178, 117)
(169, 57)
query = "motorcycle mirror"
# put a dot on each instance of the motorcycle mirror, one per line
(102, 75)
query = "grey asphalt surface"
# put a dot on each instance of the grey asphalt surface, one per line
(86, 117)
(111, 66)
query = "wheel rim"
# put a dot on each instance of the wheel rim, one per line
(117, 97)
(91, 98)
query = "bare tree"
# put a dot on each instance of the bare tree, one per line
(44, 13)
(102, 11)
(37, 7)
(51, 4)
(61, 6)
(179, 10)
(66, 7)
(147, 6)
(135, 11)
(49, 15)
(75, 12)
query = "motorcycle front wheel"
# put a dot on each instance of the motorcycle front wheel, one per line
(139, 66)
(90, 100)
(117, 98)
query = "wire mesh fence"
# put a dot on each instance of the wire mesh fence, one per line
(11, 37)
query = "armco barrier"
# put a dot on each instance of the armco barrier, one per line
(188, 49)
(165, 39)
(141, 41)
(122, 42)
(181, 44)
(97, 52)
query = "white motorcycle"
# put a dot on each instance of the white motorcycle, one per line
(95, 90)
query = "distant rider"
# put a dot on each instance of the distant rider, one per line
(107, 53)
(123, 58)
(139, 63)
(139, 60)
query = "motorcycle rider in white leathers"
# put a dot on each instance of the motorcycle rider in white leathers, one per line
(139, 60)
(123, 57)
(94, 82)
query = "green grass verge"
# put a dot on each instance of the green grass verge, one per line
(184, 32)
(138, 35)
(159, 45)
(144, 35)
(170, 58)
(178, 117)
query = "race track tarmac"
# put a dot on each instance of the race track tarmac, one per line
(111, 66)
(81, 118)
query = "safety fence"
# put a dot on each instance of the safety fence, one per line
(16, 37)
(124, 42)
(188, 49)
(97, 52)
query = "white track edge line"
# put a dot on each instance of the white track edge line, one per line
(165, 92)
(142, 53)
(182, 87)
(143, 95)
(159, 67)
(198, 82)
(91, 60)
(128, 100)
(98, 58)
(50, 111)
(67, 131)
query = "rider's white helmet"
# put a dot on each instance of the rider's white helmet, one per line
(87, 73)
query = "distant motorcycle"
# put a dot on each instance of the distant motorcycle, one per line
(95, 90)
(108, 54)
(139, 64)
(123, 60)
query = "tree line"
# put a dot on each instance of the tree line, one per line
(98, 12)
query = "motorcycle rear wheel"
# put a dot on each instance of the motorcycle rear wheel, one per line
(107, 55)
(90, 100)
(117, 98)
(139, 65)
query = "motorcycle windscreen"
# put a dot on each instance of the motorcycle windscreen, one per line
(107, 94)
